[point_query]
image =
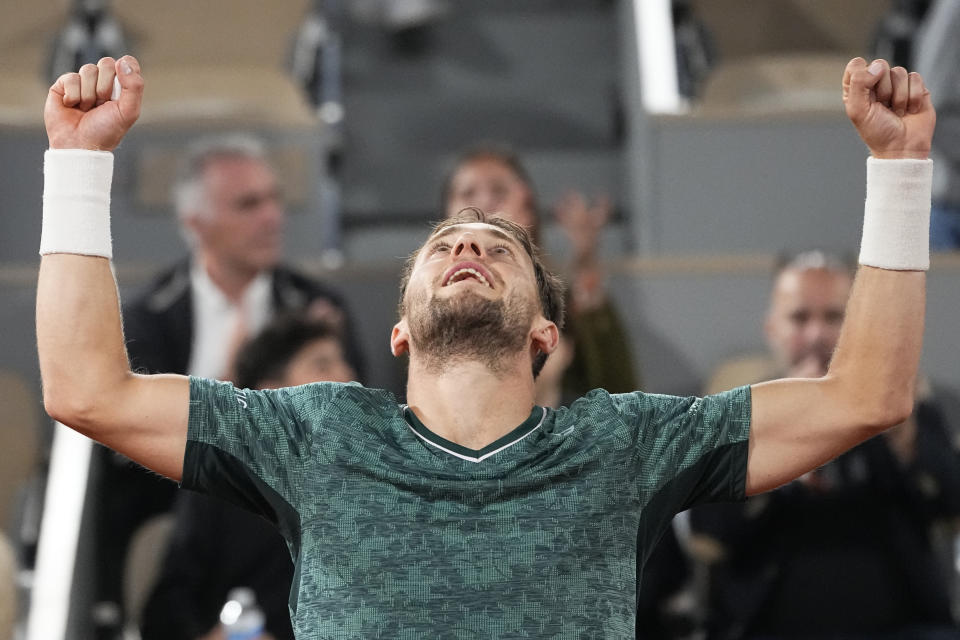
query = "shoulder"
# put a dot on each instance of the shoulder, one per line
(636, 409)
(317, 402)
(346, 396)
(649, 416)
(630, 407)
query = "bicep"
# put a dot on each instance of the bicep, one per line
(797, 425)
(145, 419)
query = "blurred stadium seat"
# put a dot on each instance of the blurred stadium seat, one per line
(783, 55)
(19, 441)
(27, 31)
(217, 62)
(147, 550)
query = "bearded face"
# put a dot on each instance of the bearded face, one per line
(803, 324)
(468, 326)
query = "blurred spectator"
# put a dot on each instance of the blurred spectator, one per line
(845, 551)
(896, 38)
(937, 58)
(696, 53)
(216, 546)
(193, 317)
(396, 15)
(8, 589)
(595, 351)
(91, 33)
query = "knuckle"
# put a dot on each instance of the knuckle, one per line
(88, 68)
(67, 79)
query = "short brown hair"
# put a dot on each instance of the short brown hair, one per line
(550, 288)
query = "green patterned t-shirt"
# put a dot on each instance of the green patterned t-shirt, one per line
(398, 533)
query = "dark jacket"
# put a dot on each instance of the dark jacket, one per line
(215, 547)
(159, 325)
(847, 553)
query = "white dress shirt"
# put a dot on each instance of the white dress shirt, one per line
(218, 322)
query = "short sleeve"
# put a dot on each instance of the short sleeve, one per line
(252, 448)
(689, 450)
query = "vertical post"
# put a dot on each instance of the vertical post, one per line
(59, 535)
(330, 109)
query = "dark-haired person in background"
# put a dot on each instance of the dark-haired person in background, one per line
(216, 546)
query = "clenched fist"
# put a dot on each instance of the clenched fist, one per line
(79, 113)
(890, 108)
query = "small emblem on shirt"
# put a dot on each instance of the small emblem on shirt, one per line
(241, 396)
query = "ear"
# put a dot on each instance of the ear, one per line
(193, 223)
(545, 336)
(400, 339)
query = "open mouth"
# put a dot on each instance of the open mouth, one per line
(462, 272)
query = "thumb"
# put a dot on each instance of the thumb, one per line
(131, 83)
(859, 81)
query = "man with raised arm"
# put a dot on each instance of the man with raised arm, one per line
(471, 511)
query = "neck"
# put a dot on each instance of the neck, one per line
(469, 404)
(230, 279)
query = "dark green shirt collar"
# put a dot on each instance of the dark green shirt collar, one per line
(531, 424)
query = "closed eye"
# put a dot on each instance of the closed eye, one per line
(439, 247)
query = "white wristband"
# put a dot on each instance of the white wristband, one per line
(896, 219)
(76, 202)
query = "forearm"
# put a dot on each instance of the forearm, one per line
(875, 365)
(799, 424)
(878, 353)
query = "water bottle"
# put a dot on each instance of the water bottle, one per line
(242, 619)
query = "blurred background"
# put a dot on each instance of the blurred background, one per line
(715, 127)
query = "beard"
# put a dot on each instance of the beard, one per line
(470, 327)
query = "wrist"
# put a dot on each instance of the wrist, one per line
(76, 202)
(900, 155)
(896, 222)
